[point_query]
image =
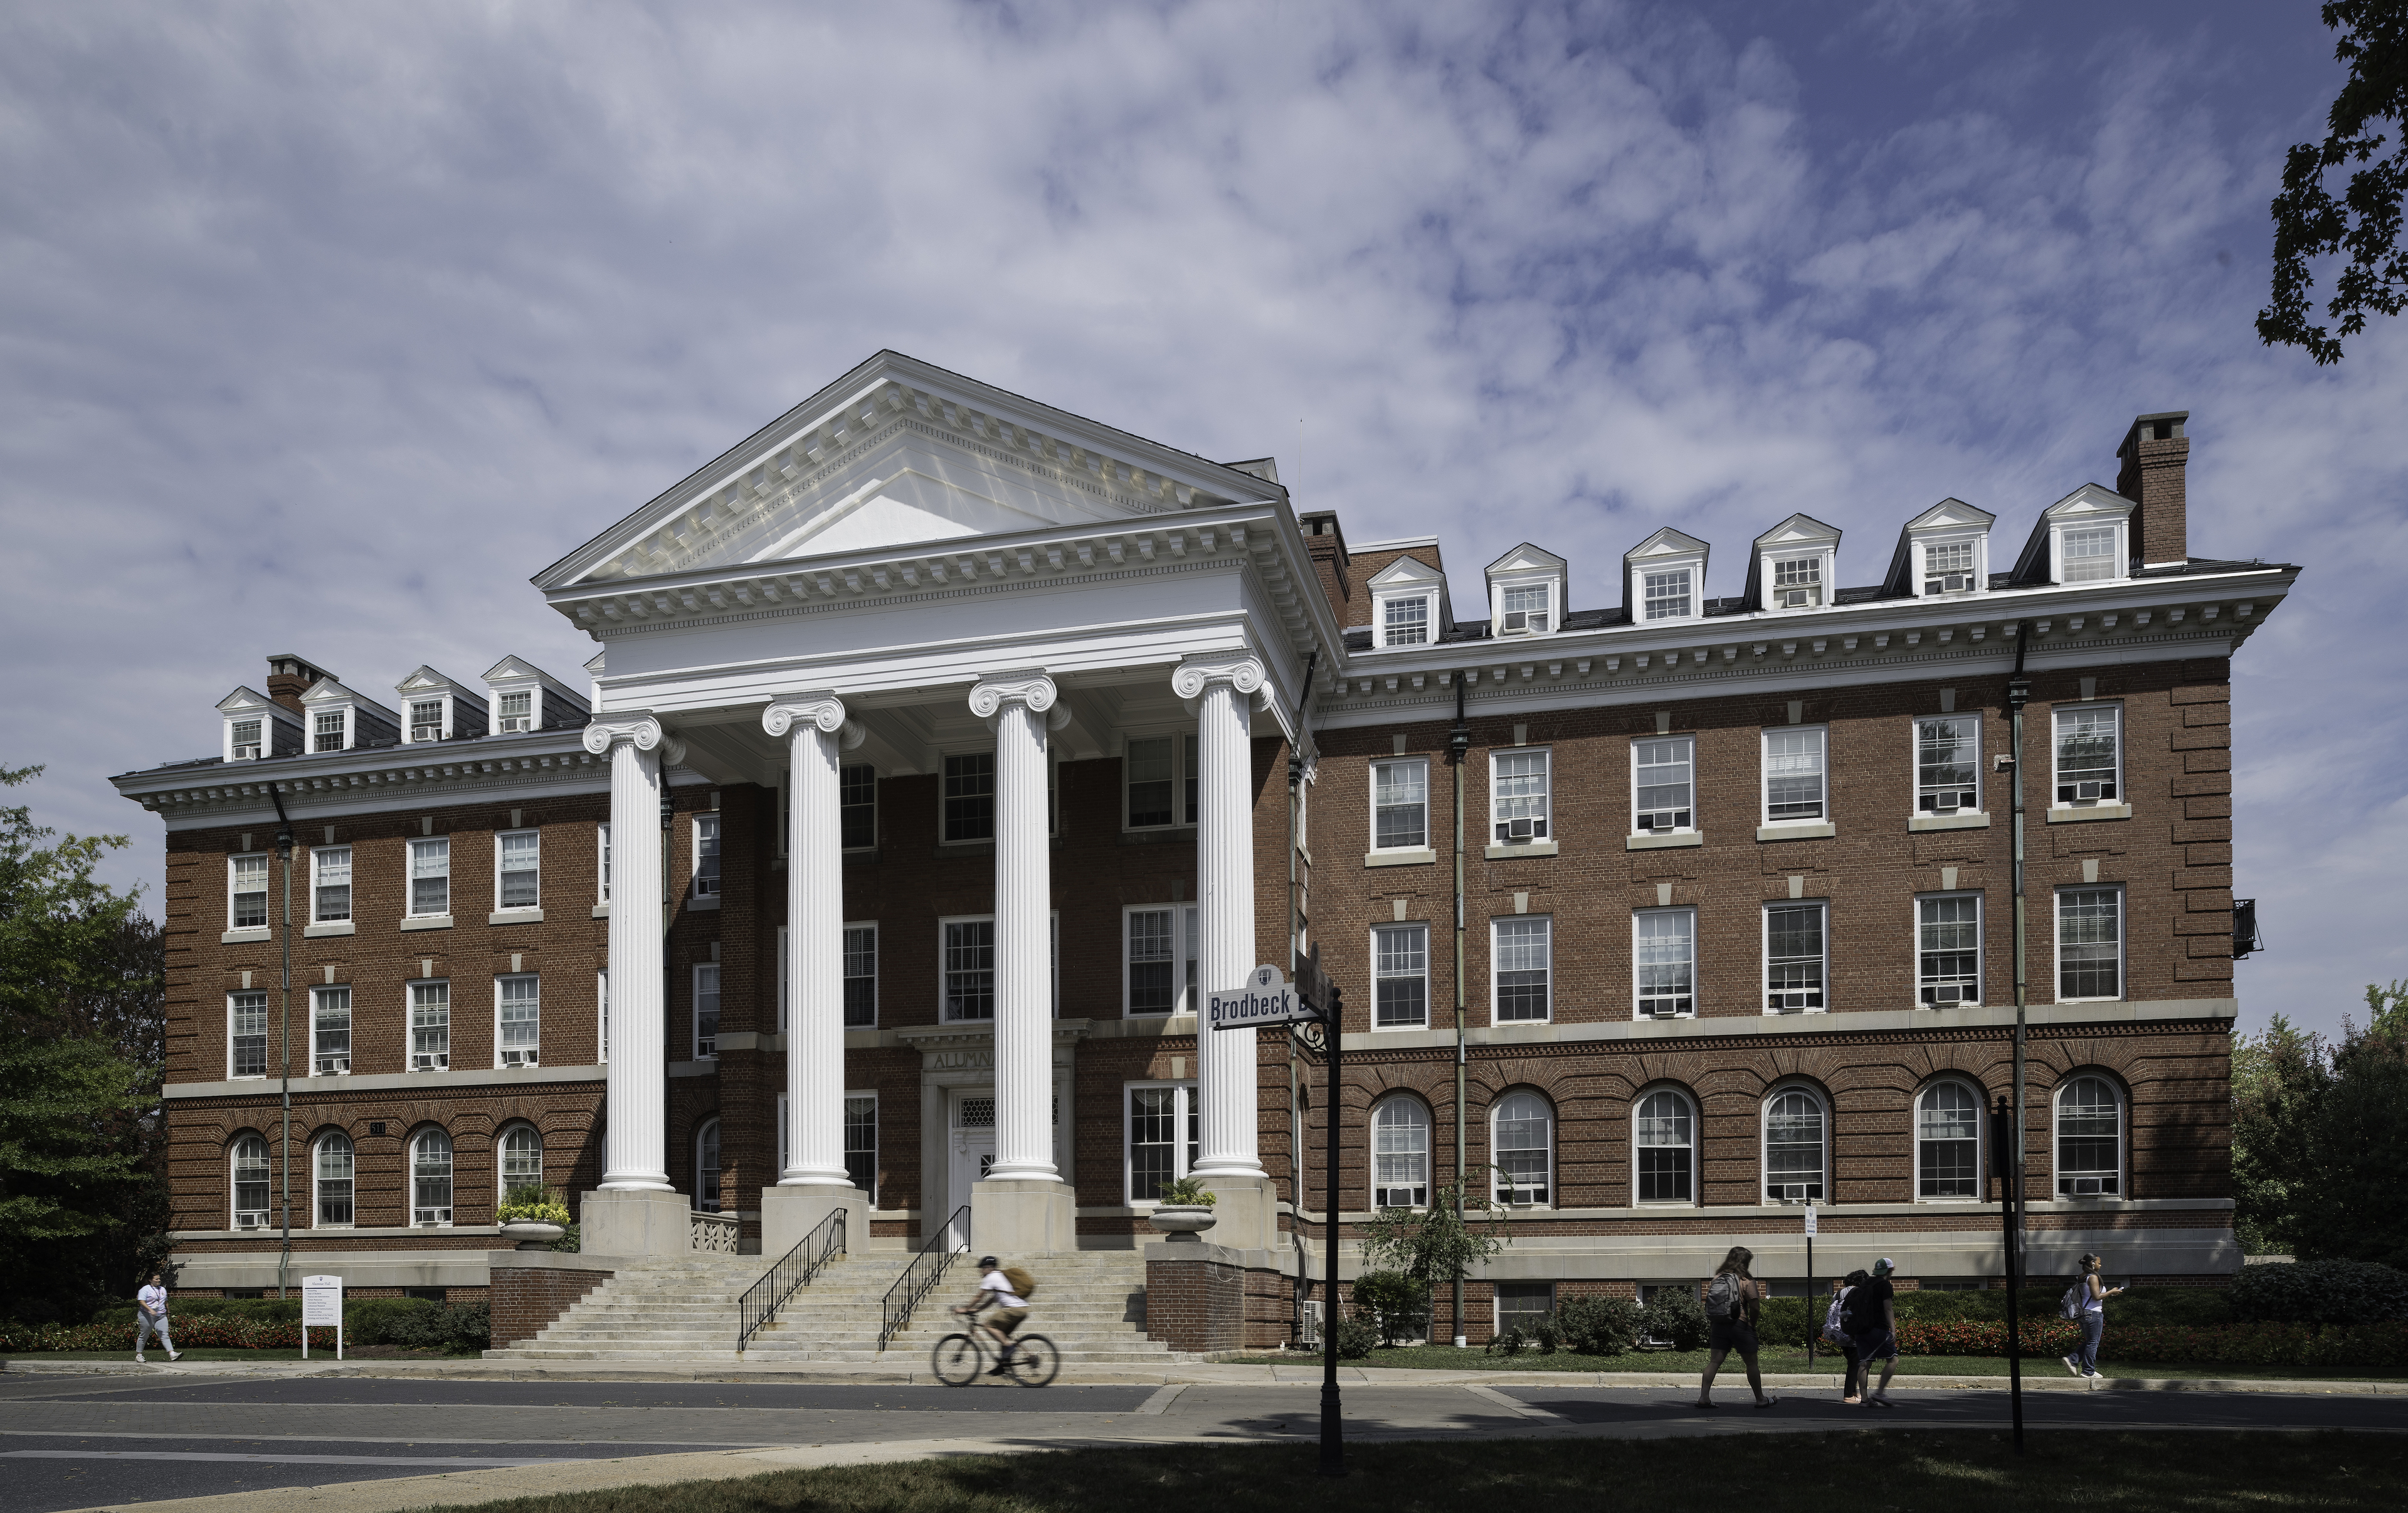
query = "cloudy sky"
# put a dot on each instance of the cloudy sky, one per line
(322, 328)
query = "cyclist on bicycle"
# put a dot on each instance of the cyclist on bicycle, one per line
(996, 1291)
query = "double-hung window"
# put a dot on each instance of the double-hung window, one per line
(1400, 1154)
(706, 856)
(1163, 1137)
(1523, 964)
(250, 1182)
(1406, 621)
(860, 976)
(1663, 785)
(1948, 567)
(330, 1030)
(2089, 943)
(1948, 764)
(247, 885)
(430, 1179)
(1160, 962)
(1664, 954)
(1400, 804)
(330, 885)
(1401, 976)
(333, 1181)
(430, 1026)
(1794, 775)
(1529, 608)
(2089, 755)
(602, 856)
(1519, 795)
(856, 813)
(519, 883)
(1797, 583)
(968, 968)
(1948, 950)
(2087, 555)
(1664, 1141)
(1948, 1141)
(1161, 782)
(2089, 1139)
(426, 720)
(1522, 1135)
(430, 877)
(1793, 1146)
(522, 1158)
(970, 797)
(1665, 596)
(860, 1142)
(247, 1034)
(326, 730)
(1795, 957)
(244, 742)
(518, 1029)
(705, 1011)
(517, 712)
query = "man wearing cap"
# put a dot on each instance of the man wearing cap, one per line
(1871, 1316)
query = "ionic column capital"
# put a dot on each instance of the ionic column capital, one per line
(827, 711)
(641, 730)
(1241, 671)
(1032, 688)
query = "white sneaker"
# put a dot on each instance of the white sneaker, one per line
(175, 1355)
(138, 1361)
(2090, 1376)
(2071, 1364)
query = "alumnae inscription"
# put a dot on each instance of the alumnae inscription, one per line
(960, 1061)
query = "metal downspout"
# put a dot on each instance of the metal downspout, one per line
(284, 852)
(1458, 744)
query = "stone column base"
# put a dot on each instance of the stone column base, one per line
(1022, 1216)
(631, 1221)
(1245, 1213)
(789, 1214)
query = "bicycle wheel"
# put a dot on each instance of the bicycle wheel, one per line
(956, 1360)
(1036, 1363)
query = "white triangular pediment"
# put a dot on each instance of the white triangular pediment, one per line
(327, 691)
(1666, 542)
(1952, 514)
(512, 667)
(2089, 499)
(426, 680)
(1797, 531)
(1528, 559)
(247, 701)
(1406, 572)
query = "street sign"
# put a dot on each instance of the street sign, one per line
(1265, 1000)
(321, 1304)
(1810, 1222)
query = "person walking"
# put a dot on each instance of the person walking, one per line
(1835, 1331)
(1734, 1301)
(150, 1317)
(2084, 1362)
(1872, 1315)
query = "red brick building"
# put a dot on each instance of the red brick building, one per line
(939, 755)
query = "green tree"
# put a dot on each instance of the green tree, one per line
(81, 1053)
(1433, 1245)
(2364, 222)
(2351, 1201)
(2279, 1080)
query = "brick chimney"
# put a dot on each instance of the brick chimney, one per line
(1328, 545)
(2153, 455)
(289, 678)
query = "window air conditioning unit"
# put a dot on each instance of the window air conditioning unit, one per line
(2087, 790)
(432, 1216)
(1953, 993)
(1517, 830)
(250, 1221)
(333, 1063)
(430, 1062)
(1948, 583)
(1793, 1192)
(1800, 598)
(518, 1058)
(2087, 1187)
(1516, 623)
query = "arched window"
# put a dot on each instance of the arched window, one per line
(248, 1158)
(1522, 1142)
(1664, 1137)
(1795, 1143)
(1948, 1141)
(706, 1167)
(522, 1165)
(334, 1167)
(1400, 1154)
(2089, 1139)
(430, 1179)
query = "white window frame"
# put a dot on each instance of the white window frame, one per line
(877, 1136)
(260, 738)
(410, 857)
(1764, 947)
(1429, 1154)
(718, 1168)
(872, 768)
(706, 1048)
(1543, 823)
(2123, 941)
(844, 951)
(534, 1054)
(233, 1008)
(409, 703)
(1690, 743)
(1764, 1143)
(1421, 926)
(1639, 994)
(500, 838)
(602, 1016)
(1186, 1114)
(1822, 734)
(2115, 709)
(1978, 575)
(1548, 587)
(1981, 1141)
(1054, 927)
(1697, 1139)
(235, 1212)
(318, 863)
(502, 716)
(1693, 576)
(703, 888)
(1371, 804)
(2059, 1178)
(1185, 937)
(1499, 1190)
(318, 1180)
(1923, 986)
(602, 869)
(1817, 593)
(1185, 762)
(1498, 926)
(341, 717)
(994, 815)
(2118, 547)
(501, 1158)
(1426, 598)
(317, 997)
(1914, 759)
(451, 1178)
(267, 875)
(416, 1058)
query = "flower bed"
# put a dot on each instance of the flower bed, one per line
(201, 1331)
(2382, 1347)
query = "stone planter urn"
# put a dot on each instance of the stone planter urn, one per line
(532, 1233)
(1181, 1221)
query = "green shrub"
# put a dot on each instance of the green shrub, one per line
(1513, 1341)
(2319, 1293)
(1676, 1315)
(386, 1321)
(1395, 1302)
(1356, 1338)
(1597, 1326)
(533, 1200)
(263, 1310)
(568, 1244)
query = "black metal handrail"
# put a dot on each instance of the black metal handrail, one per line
(922, 1275)
(792, 1273)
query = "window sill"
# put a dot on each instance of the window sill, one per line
(1402, 857)
(1521, 849)
(1976, 821)
(428, 922)
(1794, 1014)
(1653, 841)
(701, 1067)
(601, 911)
(236, 937)
(702, 900)
(1808, 829)
(515, 916)
(338, 926)
(2075, 816)
(1392, 1030)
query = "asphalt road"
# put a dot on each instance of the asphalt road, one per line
(81, 1443)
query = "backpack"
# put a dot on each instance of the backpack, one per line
(1023, 1285)
(1723, 1298)
(1855, 1313)
(2075, 1296)
(1835, 1323)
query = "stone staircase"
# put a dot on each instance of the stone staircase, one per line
(682, 1311)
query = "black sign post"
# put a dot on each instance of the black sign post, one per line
(1323, 1034)
(2003, 1137)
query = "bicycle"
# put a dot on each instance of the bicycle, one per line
(960, 1358)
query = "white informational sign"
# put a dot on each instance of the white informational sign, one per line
(1265, 1000)
(321, 1305)
(1810, 1221)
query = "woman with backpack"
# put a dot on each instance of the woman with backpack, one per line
(1733, 1300)
(2086, 1303)
(1835, 1333)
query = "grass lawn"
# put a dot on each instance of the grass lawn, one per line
(1840, 1471)
(1446, 1358)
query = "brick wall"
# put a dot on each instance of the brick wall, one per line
(526, 1299)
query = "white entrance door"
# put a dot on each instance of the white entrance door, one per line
(972, 1144)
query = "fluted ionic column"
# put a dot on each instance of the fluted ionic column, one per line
(1016, 705)
(634, 1151)
(1221, 689)
(815, 728)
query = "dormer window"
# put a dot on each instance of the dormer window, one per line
(2087, 555)
(1944, 550)
(326, 729)
(425, 719)
(1797, 583)
(1670, 595)
(518, 712)
(244, 738)
(1526, 591)
(1408, 603)
(1405, 622)
(1528, 611)
(1948, 567)
(1794, 567)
